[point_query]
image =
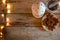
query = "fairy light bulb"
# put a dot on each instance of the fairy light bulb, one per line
(8, 6)
(3, 1)
(2, 15)
(1, 33)
(8, 11)
(2, 27)
(7, 19)
(7, 24)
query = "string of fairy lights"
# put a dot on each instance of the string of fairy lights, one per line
(8, 8)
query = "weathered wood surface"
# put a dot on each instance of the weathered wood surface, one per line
(30, 33)
(25, 19)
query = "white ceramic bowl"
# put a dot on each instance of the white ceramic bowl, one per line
(38, 10)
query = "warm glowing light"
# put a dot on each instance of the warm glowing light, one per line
(7, 19)
(1, 33)
(7, 24)
(3, 1)
(2, 27)
(8, 11)
(8, 6)
(2, 15)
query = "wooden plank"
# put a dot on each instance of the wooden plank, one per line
(23, 19)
